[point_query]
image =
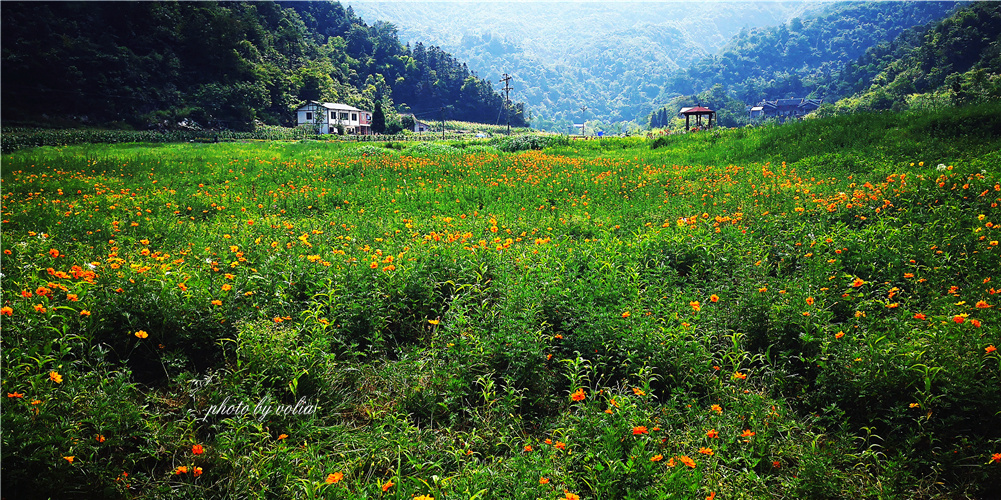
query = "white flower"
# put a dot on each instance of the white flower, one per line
(940, 167)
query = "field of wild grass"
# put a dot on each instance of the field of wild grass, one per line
(739, 314)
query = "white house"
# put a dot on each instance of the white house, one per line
(327, 116)
(420, 126)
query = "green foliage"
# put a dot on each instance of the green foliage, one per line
(953, 61)
(536, 142)
(221, 66)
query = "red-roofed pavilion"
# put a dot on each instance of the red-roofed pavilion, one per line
(698, 112)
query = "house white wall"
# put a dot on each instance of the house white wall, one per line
(328, 116)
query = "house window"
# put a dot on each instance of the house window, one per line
(354, 117)
(309, 116)
(333, 115)
(344, 116)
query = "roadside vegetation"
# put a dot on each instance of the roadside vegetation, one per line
(807, 310)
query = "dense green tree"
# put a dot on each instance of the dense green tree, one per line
(223, 64)
(378, 119)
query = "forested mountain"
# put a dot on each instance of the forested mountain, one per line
(802, 58)
(220, 64)
(626, 60)
(949, 62)
(615, 58)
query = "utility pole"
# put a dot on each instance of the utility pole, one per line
(507, 100)
(583, 121)
(441, 114)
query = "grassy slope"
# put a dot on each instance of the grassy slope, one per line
(442, 305)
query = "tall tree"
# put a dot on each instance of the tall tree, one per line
(378, 119)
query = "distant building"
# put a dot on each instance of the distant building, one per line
(783, 108)
(326, 117)
(419, 126)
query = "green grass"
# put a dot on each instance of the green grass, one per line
(799, 317)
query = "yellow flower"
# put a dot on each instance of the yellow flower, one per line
(55, 377)
(335, 477)
(69, 459)
(434, 321)
(141, 334)
(217, 302)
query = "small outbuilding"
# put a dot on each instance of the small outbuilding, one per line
(698, 112)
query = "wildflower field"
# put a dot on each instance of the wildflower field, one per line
(802, 311)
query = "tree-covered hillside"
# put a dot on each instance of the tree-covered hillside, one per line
(613, 57)
(220, 64)
(953, 61)
(802, 58)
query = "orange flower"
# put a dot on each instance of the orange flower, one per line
(695, 305)
(68, 459)
(982, 304)
(920, 316)
(543, 480)
(387, 486)
(711, 433)
(625, 314)
(53, 253)
(26, 294)
(809, 301)
(374, 265)
(560, 445)
(763, 289)
(434, 321)
(706, 451)
(55, 377)
(839, 335)
(183, 287)
(716, 408)
(712, 496)
(570, 496)
(227, 287)
(657, 458)
(714, 298)
(738, 375)
(100, 438)
(197, 449)
(528, 447)
(640, 430)
(996, 457)
(85, 312)
(6, 311)
(141, 334)
(746, 433)
(989, 349)
(687, 461)
(181, 469)
(958, 319)
(40, 308)
(578, 395)
(858, 282)
(15, 394)
(337, 476)
(196, 471)
(639, 392)
(282, 436)
(975, 322)
(217, 302)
